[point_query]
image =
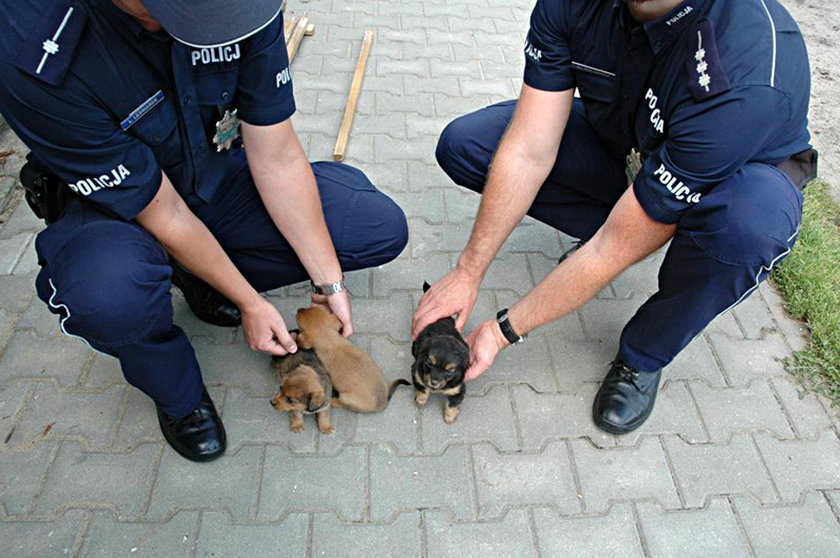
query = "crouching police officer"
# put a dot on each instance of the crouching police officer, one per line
(714, 96)
(145, 131)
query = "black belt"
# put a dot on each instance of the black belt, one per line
(801, 168)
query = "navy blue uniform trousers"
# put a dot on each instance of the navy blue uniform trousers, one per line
(109, 280)
(724, 246)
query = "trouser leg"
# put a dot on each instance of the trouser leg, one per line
(366, 227)
(723, 248)
(108, 281)
(579, 192)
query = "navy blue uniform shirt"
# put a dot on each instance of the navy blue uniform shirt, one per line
(107, 105)
(713, 85)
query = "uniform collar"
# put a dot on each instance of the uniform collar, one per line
(662, 32)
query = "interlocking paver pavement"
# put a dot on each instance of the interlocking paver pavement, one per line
(737, 459)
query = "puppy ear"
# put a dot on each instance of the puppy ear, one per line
(426, 286)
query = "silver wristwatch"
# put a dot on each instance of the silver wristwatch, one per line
(328, 288)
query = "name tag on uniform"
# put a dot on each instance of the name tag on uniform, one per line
(227, 130)
(142, 110)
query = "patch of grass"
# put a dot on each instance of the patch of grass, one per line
(809, 280)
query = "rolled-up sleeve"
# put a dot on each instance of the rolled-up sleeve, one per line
(547, 52)
(706, 143)
(69, 132)
(264, 88)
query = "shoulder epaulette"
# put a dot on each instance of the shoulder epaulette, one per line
(706, 75)
(48, 52)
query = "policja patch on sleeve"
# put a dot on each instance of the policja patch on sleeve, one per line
(47, 54)
(706, 76)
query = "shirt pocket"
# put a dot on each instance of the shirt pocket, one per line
(216, 88)
(157, 125)
(595, 84)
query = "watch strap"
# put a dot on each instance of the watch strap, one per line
(328, 288)
(507, 329)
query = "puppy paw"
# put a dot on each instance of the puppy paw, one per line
(421, 397)
(326, 429)
(450, 414)
(296, 427)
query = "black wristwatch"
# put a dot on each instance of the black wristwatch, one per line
(507, 329)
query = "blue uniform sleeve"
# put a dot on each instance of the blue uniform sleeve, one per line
(69, 132)
(547, 54)
(264, 87)
(707, 143)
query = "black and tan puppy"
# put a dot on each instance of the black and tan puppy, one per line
(358, 383)
(441, 358)
(305, 388)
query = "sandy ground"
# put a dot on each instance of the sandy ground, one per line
(820, 23)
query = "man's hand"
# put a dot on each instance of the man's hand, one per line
(265, 330)
(338, 304)
(485, 342)
(454, 294)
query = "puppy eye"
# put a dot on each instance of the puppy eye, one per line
(290, 401)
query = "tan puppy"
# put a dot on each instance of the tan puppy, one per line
(305, 388)
(355, 376)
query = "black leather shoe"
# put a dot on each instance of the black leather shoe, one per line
(206, 303)
(625, 399)
(199, 436)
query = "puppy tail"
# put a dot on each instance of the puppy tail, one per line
(395, 384)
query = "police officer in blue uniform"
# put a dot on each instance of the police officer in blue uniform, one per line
(141, 108)
(713, 94)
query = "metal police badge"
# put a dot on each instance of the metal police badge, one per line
(227, 130)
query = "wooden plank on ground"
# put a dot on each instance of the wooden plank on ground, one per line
(297, 37)
(310, 30)
(353, 98)
(288, 27)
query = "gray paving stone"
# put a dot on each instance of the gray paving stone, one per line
(754, 317)
(22, 220)
(106, 537)
(424, 175)
(28, 261)
(403, 274)
(509, 536)
(38, 318)
(487, 417)
(252, 420)
(410, 483)
(391, 317)
(229, 483)
(418, 103)
(300, 483)
(795, 331)
(21, 473)
(804, 530)
(726, 324)
(534, 479)
(547, 417)
(612, 534)
(39, 538)
(120, 481)
(513, 366)
(427, 205)
(402, 537)
(640, 280)
(55, 413)
(461, 206)
(698, 467)
(57, 358)
(421, 148)
(139, 422)
(12, 250)
(235, 365)
(415, 67)
(800, 466)
(449, 108)
(576, 362)
(712, 531)
(12, 402)
(744, 360)
(803, 408)
(731, 410)
(18, 291)
(221, 537)
(608, 475)
(674, 413)
(605, 319)
(696, 362)
(104, 372)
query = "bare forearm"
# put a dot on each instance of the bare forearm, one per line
(627, 237)
(287, 186)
